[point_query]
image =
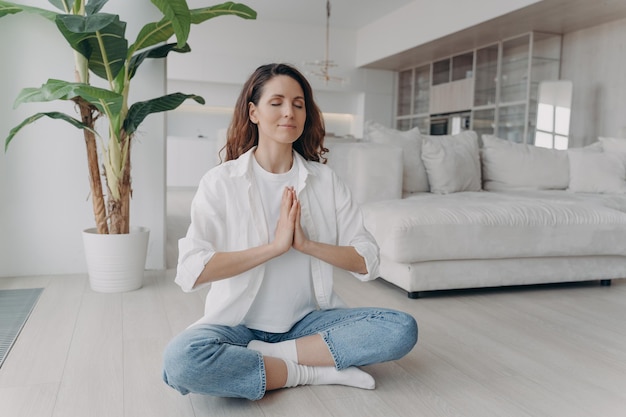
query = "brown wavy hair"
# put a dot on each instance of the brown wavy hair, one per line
(242, 134)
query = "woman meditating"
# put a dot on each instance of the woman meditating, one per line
(267, 228)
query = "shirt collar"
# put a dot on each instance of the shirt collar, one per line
(244, 167)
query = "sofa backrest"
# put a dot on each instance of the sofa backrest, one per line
(508, 165)
(439, 164)
(372, 171)
(414, 177)
(389, 164)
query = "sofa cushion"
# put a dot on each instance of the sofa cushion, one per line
(613, 145)
(491, 225)
(508, 165)
(596, 172)
(452, 162)
(609, 200)
(414, 177)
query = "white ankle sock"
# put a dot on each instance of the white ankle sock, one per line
(283, 350)
(327, 375)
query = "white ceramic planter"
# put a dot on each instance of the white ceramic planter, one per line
(116, 263)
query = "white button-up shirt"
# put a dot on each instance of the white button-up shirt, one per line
(227, 215)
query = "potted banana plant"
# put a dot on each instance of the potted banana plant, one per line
(105, 116)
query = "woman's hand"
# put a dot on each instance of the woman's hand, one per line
(289, 230)
(299, 238)
(285, 228)
(344, 257)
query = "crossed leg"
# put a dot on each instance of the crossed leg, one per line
(313, 365)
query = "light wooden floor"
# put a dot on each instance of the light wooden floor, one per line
(548, 351)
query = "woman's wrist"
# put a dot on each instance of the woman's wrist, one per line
(277, 248)
(303, 246)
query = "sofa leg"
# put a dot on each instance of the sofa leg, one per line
(605, 282)
(414, 295)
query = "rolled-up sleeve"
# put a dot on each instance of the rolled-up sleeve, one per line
(198, 246)
(352, 232)
(191, 263)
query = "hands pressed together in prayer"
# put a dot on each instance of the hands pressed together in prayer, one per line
(289, 232)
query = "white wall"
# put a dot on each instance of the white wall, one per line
(44, 202)
(594, 59)
(219, 65)
(44, 189)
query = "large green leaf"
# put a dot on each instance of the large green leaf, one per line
(229, 8)
(67, 6)
(6, 8)
(35, 117)
(64, 5)
(12, 8)
(105, 101)
(140, 110)
(177, 12)
(154, 33)
(155, 53)
(100, 38)
(94, 6)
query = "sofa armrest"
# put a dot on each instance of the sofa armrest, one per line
(372, 171)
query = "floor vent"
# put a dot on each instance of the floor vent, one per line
(15, 307)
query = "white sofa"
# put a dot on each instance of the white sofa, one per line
(448, 214)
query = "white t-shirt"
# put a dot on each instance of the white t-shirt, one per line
(227, 215)
(286, 294)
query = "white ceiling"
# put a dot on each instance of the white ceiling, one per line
(550, 16)
(348, 14)
(555, 16)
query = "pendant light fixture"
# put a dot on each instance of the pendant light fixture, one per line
(323, 71)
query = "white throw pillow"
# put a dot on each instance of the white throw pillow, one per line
(596, 172)
(595, 146)
(414, 177)
(452, 162)
(508, 165)
(613, 145)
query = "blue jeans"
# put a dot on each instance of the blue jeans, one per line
(214, 360)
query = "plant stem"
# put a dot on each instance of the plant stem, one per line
(97, 198)
(119, 208)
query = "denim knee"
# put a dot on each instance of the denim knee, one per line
(401, 333)
(202, 362)
(406, 333)
(174, 364)
(370, 335)
(181, 362)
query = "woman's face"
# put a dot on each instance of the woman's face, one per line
(280, 114)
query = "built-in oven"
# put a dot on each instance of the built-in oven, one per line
(450, 124)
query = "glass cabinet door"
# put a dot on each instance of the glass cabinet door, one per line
(486, 77)
(484, 122)
(422, 123)
(408, 123)
(514, 71)
(546, 59)
(462, 66)
(403, 124)
(441, 72)
(511, 123)
(405, 92)
(421, 101)
(545, 66)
